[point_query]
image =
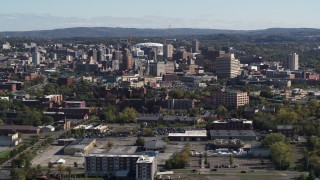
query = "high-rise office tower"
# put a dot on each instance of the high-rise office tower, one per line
(152, 55)
(195, 45)
(227, 66)
(127, 63)
(93, 53)
(116, 55)
(293, 61)
(35, 58)
(100, 54)
(167, 51)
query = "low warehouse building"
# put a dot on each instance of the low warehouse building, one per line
(197, 135)
(80, 146)
(244, 135)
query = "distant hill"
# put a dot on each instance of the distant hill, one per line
(126, 32)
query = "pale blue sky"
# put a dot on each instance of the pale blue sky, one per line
(18, 15)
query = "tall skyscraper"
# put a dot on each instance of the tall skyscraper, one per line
(293, 61)
(152, 55)
(195, 45)
(227, 66)
(93, 53)
(100, 54)
(167, 51)
(116, 55)
(127, 63)
(36, 58)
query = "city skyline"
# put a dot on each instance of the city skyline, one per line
(20, 15)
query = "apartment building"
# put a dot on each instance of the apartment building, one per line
(230, 99)
(121, 166)
(146, 168)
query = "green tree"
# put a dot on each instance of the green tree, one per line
(140, 141)
(285, 116)
(313, 103)
(177, 94)
(148, 132)
(18, 174)
(34, 139)
(69, 170)
(128, 115)
(205, 158)
(47, 120)
(38, 169)
(48, 172)
(222, 112)
(29, 117)
(264, 121)
(61, 168)
(273, 138)
(110, 144)
(20, 162)
(230, 159)
(50, 88)
(311, 175)
(109, 114)
(281, 155)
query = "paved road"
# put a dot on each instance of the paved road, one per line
(231, 173)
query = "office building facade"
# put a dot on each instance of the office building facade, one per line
(167, 51)
(227, 66)
(230, 99)
(195, 45)
(36, 58)
(127, 63)
(293, 62)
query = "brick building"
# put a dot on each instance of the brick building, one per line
(67, 81)
(230, 99)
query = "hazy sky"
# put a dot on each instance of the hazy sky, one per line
(20, 15)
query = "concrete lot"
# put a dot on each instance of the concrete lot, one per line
(123, 150)
(52, 154)
(162, 157)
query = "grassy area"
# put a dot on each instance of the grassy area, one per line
(5, 154)
(259, 175)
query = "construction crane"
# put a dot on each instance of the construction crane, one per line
(166, 35)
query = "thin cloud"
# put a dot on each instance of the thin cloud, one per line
(28, 22)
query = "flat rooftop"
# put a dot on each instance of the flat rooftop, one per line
(80, 143)
(111, 155)
(218, 133)
(196, 133)
(145, 159)
(118, 149)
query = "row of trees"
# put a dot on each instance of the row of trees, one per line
(280, 150)
(297, 115)
(111, 114)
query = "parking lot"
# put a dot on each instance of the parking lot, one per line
(121, 145)
(223, 162)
